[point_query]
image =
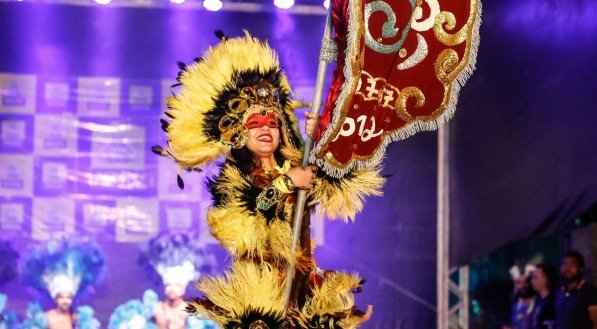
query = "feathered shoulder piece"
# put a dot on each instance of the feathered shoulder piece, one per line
(208, 111)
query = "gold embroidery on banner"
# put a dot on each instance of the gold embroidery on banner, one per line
(447, 67)
(405, 94)
(354, 64)
(448, 20)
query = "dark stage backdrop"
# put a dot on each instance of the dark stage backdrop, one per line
(83, 91)
(524, 138)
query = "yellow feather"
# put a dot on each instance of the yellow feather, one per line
(242, 233)
(334, 297)
(247, 286)
(202, 83)
(345, 198)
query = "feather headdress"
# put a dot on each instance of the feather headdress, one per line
(206, 115)
(71, 266)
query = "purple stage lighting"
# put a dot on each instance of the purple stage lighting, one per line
(284, 4)
(103, 2)
(178, 2)
(212, 5)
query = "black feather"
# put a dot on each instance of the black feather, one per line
(181, 65)
(190, 309)
(179, 182)
(272, 320)
(178, 84)
(158, 150)
(169, 115)
(165, 125)
(198, 59)
(220, 35)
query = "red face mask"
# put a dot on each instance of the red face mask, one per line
(257, 120)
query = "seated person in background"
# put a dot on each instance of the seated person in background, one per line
(544, 282)
(576, 302)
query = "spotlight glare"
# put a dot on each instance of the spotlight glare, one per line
(212, 5)
(178, 2)
(284, 4)
(326, 4)
(103, 2)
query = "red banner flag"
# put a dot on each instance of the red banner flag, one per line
(400, 67)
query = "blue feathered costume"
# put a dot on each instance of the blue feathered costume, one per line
(73, 266)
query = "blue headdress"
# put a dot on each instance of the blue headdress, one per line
(65, 266)
(8, 262)
(175, 259)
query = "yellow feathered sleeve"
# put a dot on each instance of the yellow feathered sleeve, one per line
(343, 198)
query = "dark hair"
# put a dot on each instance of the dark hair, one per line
(577, 256)
(550, 273)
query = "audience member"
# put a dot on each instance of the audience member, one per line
(576, 302)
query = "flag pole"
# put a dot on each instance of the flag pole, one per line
(327, 54)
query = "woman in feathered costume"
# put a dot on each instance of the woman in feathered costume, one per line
(64, 270)
(174, 261)
(234, 102)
